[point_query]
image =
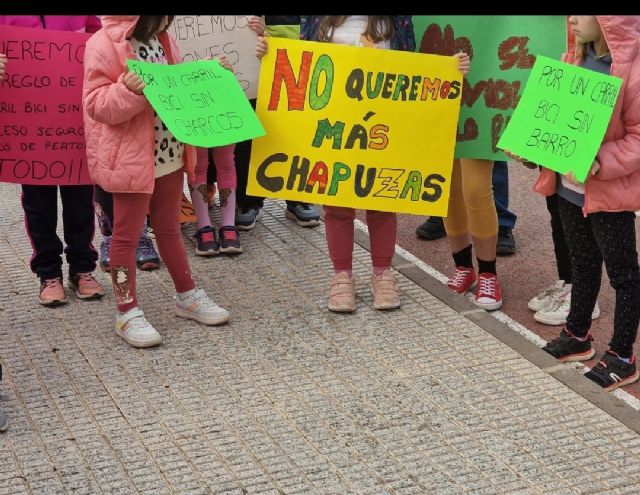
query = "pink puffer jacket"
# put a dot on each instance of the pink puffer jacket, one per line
(119, 125)
(617, 186)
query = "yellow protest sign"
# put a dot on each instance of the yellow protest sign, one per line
(357, 127)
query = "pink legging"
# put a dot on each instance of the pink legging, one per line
(339, 227)
(225, 166)
(129, 211)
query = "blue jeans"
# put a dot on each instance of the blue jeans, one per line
(506, 218)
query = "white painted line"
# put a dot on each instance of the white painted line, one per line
(502, 317)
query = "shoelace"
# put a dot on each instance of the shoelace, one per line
(558, 303)
(487, 286)
(53, 282)
(231, 235)
(306, 207)
(459, 276)
(87, 277)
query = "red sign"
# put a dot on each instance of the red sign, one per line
(41, 127)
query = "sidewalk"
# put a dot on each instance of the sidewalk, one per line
(289, 398)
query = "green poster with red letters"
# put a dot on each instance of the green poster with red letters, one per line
(503, 49)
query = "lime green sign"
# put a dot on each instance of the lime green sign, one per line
(502, 50)
(562, 116)
(200, 102)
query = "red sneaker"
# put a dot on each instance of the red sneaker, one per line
(86, 286)
(488, 293)
(462, 280)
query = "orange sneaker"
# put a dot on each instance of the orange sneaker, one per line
(86, 286)
(52, 292)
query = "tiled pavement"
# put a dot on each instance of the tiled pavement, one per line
(288, 397)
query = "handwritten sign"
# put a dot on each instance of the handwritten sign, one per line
(357, 127)
(41, 128)
(502, 51)
(562, 116)
(200, 37)
(200, 102)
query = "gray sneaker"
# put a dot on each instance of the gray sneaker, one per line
(246, 218)
(303, 214)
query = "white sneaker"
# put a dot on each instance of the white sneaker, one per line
(133, 327)
(546, 297)
(197, 306)
(557, 314)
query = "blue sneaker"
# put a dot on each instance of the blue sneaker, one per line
(206, 243)
(146, 255)
(105, 248)
(246, 218)
(303, 214)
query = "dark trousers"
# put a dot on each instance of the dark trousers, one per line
(500, 180)
(560, 248)
(40, 204)
(608, 236)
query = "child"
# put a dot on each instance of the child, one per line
(598, 217)
(146, 256)
(40, 204)
(387, 32)
(133, 155)
(206, 243)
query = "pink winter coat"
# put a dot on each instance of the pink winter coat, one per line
(119, 124)
(617, 186)
(79, 23)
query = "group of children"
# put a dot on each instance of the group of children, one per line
(138, 167)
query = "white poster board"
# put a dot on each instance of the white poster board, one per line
(203, 36)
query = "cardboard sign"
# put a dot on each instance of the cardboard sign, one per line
(41, 127)
(502, 50)
(562, 116)
(200, 37)
(356, 127)
(200, 102)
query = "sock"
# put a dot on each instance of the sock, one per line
(200, 206)
(184, 295)
(486, 266)
(626, 360)
(379, 270)
(463, 257)
(229, 211)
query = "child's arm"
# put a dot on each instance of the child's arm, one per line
(3, 65)
(621, 157)
(108, 99)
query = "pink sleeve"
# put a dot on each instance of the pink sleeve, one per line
(621, 157)
(105, 97)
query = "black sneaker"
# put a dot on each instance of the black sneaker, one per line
(612, 372)
(506, 243)
(206, 243)
(432, 229)
(567, 348)
(229, 240)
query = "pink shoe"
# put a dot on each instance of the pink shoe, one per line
(86, 286)
(385, 291)
(462, 280)
(342, 297)
(52, 292)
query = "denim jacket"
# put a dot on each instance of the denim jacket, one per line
(403, 36)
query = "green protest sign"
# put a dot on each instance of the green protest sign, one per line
(502, 49)
(562, 116)
(200, 102)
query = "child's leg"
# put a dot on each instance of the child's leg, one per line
(586, 259)
(164, 208)
(223, 157)
(616, 236)
(103, 203)
(481, 210)
(383, 227)
(560, 248)
(339, 229)
(199, 189)
(129, 211)
(456, 223)
(79, 228)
